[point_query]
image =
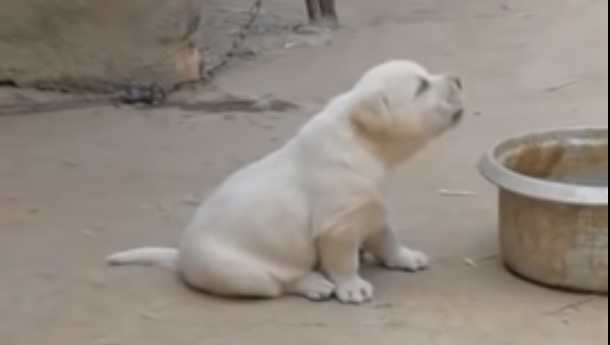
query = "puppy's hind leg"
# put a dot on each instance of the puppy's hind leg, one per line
(231, 276)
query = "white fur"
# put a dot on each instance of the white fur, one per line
(293, 222)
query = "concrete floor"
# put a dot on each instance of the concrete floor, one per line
(77, 185)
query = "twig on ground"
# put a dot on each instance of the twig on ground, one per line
(562, 85)
(456, 192)
(573, 306)
(476, 262)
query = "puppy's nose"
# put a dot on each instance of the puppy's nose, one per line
(458, 116)
(457, 81)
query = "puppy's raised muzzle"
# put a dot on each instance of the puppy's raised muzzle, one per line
(459, 115)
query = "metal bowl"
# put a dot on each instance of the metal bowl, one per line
(554, 206)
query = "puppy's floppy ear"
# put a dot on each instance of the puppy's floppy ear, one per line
(372, 114)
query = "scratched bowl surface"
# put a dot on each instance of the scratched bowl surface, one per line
(554, 206)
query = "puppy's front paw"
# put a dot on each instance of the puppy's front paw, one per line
(408, 260)
(354, 291)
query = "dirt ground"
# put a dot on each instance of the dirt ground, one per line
(77, 185)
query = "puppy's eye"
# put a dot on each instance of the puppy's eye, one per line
(424, 86)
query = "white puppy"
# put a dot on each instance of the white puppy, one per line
(294, 222)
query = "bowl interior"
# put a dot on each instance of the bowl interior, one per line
(578, 157)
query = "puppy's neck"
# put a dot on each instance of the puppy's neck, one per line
(328, 140)
(333, 138)
(390, 149)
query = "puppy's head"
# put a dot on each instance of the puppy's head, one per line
(400, 101)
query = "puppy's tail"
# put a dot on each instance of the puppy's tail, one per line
(166, 258)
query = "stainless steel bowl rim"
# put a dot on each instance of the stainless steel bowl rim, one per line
(498, 174)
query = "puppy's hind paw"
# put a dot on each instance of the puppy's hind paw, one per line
(313, 286)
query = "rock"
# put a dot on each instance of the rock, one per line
(98, 45)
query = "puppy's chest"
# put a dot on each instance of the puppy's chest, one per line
(362, 217)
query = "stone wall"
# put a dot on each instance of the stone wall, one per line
(98, 45)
